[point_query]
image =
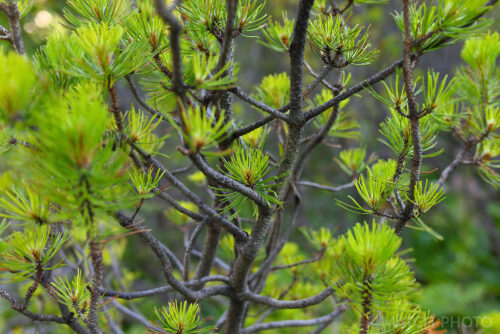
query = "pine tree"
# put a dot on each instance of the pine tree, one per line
(79, 166)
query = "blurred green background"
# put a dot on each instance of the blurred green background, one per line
(460, 275)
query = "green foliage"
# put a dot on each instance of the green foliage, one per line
(68, 163)
(274, 90)
(250, 167)
(481, 52)
(211, 15)
(321, 238)
(24, 252)
(344, 126)
(202, 130)
(140, 130)
(51, 60)
(369, 269)
(426, 196)
(182, 318)
(395, 91)
(279, 36)
(375, 190)
(110, 12)
(340, 44)
(450, 18)
(352, 161)
(257, 137)
(17, 82)
(397, 132)
(436, 95)
(145, 182)
(101, 56)
(75, 165)
(74, 294)
(24, 6)
(402, 317)
(23, 203)
(144, 27)
(199, 73)
(486, 154)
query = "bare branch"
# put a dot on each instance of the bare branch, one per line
(141, 100)
(189, 248)
(295, 323)
(250, 100)
(454, 164)
(287, 304)
(238, 234)
(317, 76)
(324, 187)
(34, 316)
(160, 290)
(379, 76)
(164, 260)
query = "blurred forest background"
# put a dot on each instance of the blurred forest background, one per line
(460, 274)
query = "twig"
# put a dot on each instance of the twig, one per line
(287, 304)
(322, 80)
(295, 323)
(379, 76)
(262, 106)
(34, 316)
(160, 290)
(141, 100)
(324, 187)
(189, 248)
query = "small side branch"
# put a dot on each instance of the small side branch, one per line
(295, 323)
(160, 290)
(353, 90)
(141, 100)
(451, 167)
(34, 316)
(189, 249)
(287, 304)
(264, 107)
(324, 187)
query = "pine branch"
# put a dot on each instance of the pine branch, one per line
(295, 323)
(141, 100)
(287, 304)
(324, 187)
(250, 100)
(238, 234)
(15, 36)
(166, 265)
(377, 77)
(34, 316)
(160, 290)
(189, 248)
